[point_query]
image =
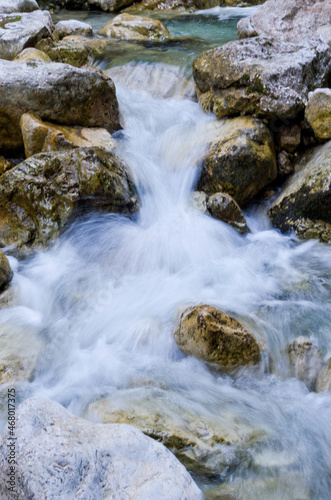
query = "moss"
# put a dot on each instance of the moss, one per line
(256, 85)
(9, 20)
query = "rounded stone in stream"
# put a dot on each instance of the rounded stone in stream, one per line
(213, 336)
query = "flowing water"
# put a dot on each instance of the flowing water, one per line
(106, 296)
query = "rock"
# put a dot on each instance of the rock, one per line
(289, 138)
(163, 5)
(39, 136)
(318, 113)
(199, 201)
(261, 76)
(223, 207)
(71, 52)
(289, 20)
(30, 54)
(285, 166)
(38, 196)
(110, 5)
(324, 378)
(84, 97)
(72, 27)
(240, 160)
(21, 30)
(209, 334)
(305, 361)
(5, 165)
(20, 349)
(73, 458)
(304, 204)
(6, 273)
(9, 6)
(136, 28)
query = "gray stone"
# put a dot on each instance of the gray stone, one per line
(136, 28)
(9, 6)
(72, 27)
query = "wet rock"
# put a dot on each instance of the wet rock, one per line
(324, 378)
(304, 204)
(74, 458)
(21, 30)
(318, 113)
(289, 138)
(20, 349)
(212, 335)
(199, 201)
(72, 27)
(136, 28)
(289, 20)
(305, 361)
(84, 97)
(39, 136)
(6, 273)
(261, 76)
(70, 52)
(38, 196)
(240, 160)
(285, 166)
(223, 207)
(30, 54)
(9, 6)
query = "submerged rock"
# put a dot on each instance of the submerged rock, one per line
(305, 361)
(240, 160)
(9, 6)
(261, 76)
(38, 196)
(304, 204)
(212, 335)
(324, 378)
(21, 30)
(136, 28)
(84, 97)
(72, 27)
(73, 458)
(30, 54)
(318, 113)
(6, 273)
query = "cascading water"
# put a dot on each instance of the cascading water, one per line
(106, 296)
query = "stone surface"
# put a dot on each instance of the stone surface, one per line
(72, 52)
(212, 335)
(21, 30)
(284, 162)
(136, 28)
(38, 196)
(31, 54)
(72, 27)
(324, 378)
(223, 207)
(261, 76)
(5, 165)
(61, 456)
(289, 20)
(6, 273)
(39, 136)
(9, 6)
(305, 361)
(240, 160)
(56, 92)
(289, 138)
(304, 204)
(318, 113)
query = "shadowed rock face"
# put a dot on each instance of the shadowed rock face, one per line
(56, 92)
(73, 458)
(212, 335)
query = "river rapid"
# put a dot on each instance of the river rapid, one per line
(105, 297)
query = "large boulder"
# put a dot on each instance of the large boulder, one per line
(56, 92)
(261, 76)
(9, 6)
(61, 456)
(21, 30)
(6, 273)
(240, 159)
(304, 204)
(318, 113)
(135, 28)
(289, 20)
(38, 196)
(74, 52)
(212, 335)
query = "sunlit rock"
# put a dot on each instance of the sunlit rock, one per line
(72, 27)
(136, 28)
(318, 113)
(31, 54)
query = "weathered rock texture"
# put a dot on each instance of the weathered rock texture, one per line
(304, 205)
(212, 335)
(72, 27)
(6, 273)
(56, 92)
(9, 6)
(31, 54)
(305, 361)
(38, 196)
(136, 28)
(21, 30)
(240, 160)
(61, 456)
(318, 113)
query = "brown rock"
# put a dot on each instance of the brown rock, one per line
(223, 207)
(289, 138)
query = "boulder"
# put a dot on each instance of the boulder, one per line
(38, 196)
(9, 6)
(289, 20)
(73, 52)
(72, 27)
(21, 30)
(318, 113)
(305, 361)
(324, 378)
(304, 204)
(30, 54)
(135, 28)
(61, 456)
(240, 160)
(39, 136)
(261, 76)
(84, 97)
(6, 273)
(212, 335)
